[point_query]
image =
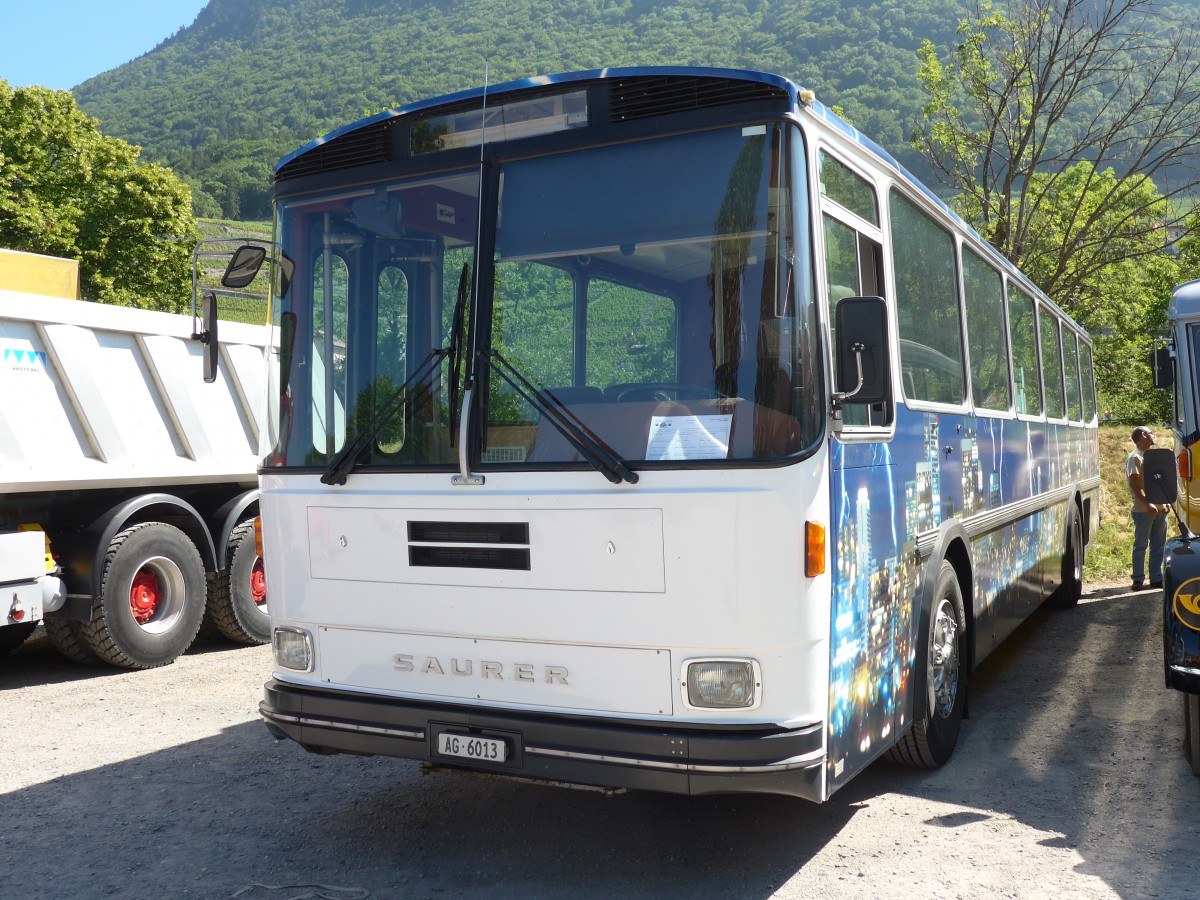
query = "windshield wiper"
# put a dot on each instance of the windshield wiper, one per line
(454, 350)
(602, 457)
(342, 464)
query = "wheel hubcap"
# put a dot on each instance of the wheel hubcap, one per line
(944, 659)
(144, 596)
(157, 595)
(258, 583)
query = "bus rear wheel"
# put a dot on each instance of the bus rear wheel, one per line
(931, 740)
(1071, 589)
(151, 598)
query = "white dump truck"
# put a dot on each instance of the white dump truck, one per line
(128, 486)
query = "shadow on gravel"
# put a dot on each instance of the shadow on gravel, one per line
(1072, 732)
(219, 816)
(36, 662)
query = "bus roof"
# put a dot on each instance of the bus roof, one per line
(1185, 302)
(799, 100)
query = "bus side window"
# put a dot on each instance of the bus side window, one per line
(1071, 371)
(1023, 335)
(991, 386)
(1052, 364)
(927, 308)
(1089, 382)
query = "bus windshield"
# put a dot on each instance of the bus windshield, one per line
(654, 297)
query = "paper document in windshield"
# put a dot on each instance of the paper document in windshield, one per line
(688, 437)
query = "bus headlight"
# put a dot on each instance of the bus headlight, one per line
(293, 649)
(722, 683)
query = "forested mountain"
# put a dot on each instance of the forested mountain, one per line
(251, 80)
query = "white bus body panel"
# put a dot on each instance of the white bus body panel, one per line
(625, 584)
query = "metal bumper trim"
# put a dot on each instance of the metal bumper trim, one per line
(797, 762)
(682, 758)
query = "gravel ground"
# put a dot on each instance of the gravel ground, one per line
(1069, 781)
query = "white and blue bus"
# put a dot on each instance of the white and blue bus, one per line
(652, 428)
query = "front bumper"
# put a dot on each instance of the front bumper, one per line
(578, 750)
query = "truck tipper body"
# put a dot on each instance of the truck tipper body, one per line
(128, 486)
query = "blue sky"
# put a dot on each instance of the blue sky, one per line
(61, 43)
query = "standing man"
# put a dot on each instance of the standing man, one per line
(1149, 519)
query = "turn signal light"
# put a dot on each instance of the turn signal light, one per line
(258, 541)
(814, 549)
(1185, 465)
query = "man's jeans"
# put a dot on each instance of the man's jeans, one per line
(1149, 530)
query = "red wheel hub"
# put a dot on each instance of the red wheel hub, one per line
(258, 583)
(144, 596)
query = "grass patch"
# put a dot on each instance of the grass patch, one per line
(1108, 556)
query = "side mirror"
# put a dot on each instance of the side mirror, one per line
(1160, 363)
(243, 266)
(209, 337)
(861, 354)
(1158, 475)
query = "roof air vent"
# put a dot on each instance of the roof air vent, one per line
(369, 144)
(638, 97)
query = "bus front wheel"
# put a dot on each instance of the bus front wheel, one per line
(931, 740)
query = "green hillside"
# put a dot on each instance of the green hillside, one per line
(250, 80)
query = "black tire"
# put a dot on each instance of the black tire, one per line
(1071, 589)
(13, 636)
(1191, 731)
(237, 601)
(155, 567)
(931, 740)
(66, 636)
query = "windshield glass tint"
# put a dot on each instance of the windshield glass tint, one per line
(378, 274)
(649, 293)
(658, 294)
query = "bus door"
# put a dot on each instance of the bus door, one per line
(864, 564)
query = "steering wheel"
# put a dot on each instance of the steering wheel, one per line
(667, 390)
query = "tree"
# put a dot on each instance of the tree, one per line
(1066, 130)
(1029, 92)
(68, 190)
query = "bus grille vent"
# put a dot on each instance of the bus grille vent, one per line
(470, 557)
(636, 98)
(432, 545)
(371, 144)
(468, 532)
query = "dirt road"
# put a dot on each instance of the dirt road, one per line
(1068, 782)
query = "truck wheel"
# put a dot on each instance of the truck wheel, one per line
(151, 598)
(1071, 589)
(238, 604)
(66, 636)
(931, 740)
(1191, 731)
(13, 636)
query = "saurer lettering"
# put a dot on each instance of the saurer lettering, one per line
(483, 668)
